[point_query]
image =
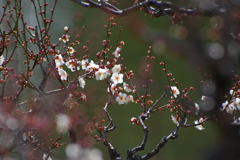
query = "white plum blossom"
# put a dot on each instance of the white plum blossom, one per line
(59, 61)
(81, 82)
(73, 65)
(70, 50)
(116, 53)
(129, 98)
(91, 154)
(175, 91)
(66, 28)
(28, 136)
(121, 99)
(76, 151)
(197, 108)
(62, 122)
(236, 121)
(113, 88)
(126, 87)
(91, 66)
(65, 38)
(85, 64)
(117, 78)
(46, 157)
(203, 98)
(116, 68)
(224, 105)
(229, 108)
(200, 126)
(1, 60)
(174, 119)
(63, 74)
(133, 120)
(84, 97)
(101, 74)
(232, 92)
(237, 101)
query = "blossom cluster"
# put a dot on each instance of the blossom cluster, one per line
(74, 69)
(110, 71)
(232, 105)
(198, 124)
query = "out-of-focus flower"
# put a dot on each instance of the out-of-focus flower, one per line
(232, 92)
(174, 119)
(116, 53)
(91, 66)
(81, 82)
(121, 99)
(197, 108)
(129, 99)
(28, 136)
(126, 87)
(200, 126)
(134, 120)
(1, 60)
(229, 108)
(75, 151)
(59, 60)
(70, 50)
(175, 91)
(85, 64)
(113, 88)
(237, 101)
(66, 28)
(203, 98)
(236, 121)
(73, 65)
(224, 105)
(117, 78)
(62, 123)
(93, 154)
(46, 157)
(63, 74)
(65, 38)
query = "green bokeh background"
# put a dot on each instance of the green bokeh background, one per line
(171, 44)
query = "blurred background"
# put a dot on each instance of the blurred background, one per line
(174, 44)
(177, 45)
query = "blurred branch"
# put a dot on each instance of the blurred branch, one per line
(153, 7)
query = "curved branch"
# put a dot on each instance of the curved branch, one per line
(153, 7)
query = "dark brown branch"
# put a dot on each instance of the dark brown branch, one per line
(153, 7)
(130, 152)
(111, 126)
(44, 72)
(114, 155)
(165, 139)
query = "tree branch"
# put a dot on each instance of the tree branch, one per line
(153, 7)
